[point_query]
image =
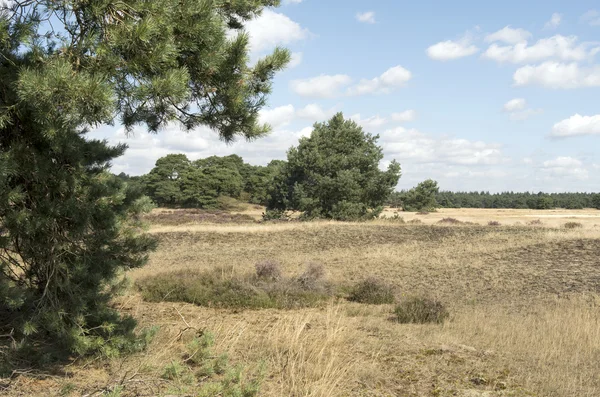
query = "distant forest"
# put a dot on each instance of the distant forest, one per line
(176, 181)
(539, 201)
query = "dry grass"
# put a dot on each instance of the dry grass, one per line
(523, 300)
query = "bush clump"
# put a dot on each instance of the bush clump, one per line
(372, 291)
(420, 311)
(535, 222)
(395, 218)
(572, 225)
(450, 221)
(268, 270)
(223, 289)
(494, 223)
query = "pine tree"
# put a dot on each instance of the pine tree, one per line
(67, 226)
(334, 174)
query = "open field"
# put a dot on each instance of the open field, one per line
(524, 305)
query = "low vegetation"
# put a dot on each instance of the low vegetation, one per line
(372, 291)
(572, 225)
(496, 283)
(224, 288)
(420, 311)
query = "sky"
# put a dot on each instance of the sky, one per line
(494, 96)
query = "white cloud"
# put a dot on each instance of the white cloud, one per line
(391, 79)
(515, 104)
(556, 47)
(404, 144)
(558, 75)
(563, 162)
(287, 2)
(282, 116)
(369, 123)
(562, 167)
(278, 117)
(525, 114)
(271, 29)
(296, 60)
(518, 109)
(577, 125)
(323, 86)
(366, 17)
(592, 17)
(405, 116)
(527, 160)
(554, 21)
(508, 35)
(449, 49)
(314, 112)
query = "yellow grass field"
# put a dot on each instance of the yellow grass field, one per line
(523, 297)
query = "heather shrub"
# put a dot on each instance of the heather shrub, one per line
(494, 223)
(450, 221)
(372, 291)
(572, 225)
(268, 270)
(420, 311)
(312, 277)
(535, 222)
(250, 291)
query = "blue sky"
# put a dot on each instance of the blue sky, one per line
(477, 95)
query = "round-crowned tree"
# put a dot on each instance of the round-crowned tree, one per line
(335, 174)
(67, 225)
(422, 197)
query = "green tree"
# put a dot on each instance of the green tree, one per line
(163, 182)
(68, 226)
(334, 174)
(596, 201)
(422, 197)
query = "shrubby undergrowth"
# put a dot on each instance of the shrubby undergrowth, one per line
(222, 288)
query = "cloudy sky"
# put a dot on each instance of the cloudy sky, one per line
(477, 95)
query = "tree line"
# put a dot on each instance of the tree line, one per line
(176, 181)
(514, 200)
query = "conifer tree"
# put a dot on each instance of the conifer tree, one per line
(334, 174)
(67, 226)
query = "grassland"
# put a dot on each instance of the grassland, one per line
(524, 303)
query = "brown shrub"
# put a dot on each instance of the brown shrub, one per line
(494, 223)
(193, 215)
(572, 225)
(268, 270)
(312, 277)
(372, 291)
(450, 221)
(420, 311)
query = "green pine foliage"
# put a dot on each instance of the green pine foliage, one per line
(334, 174)
(68, 227)
(421, 197)
(175, 181)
